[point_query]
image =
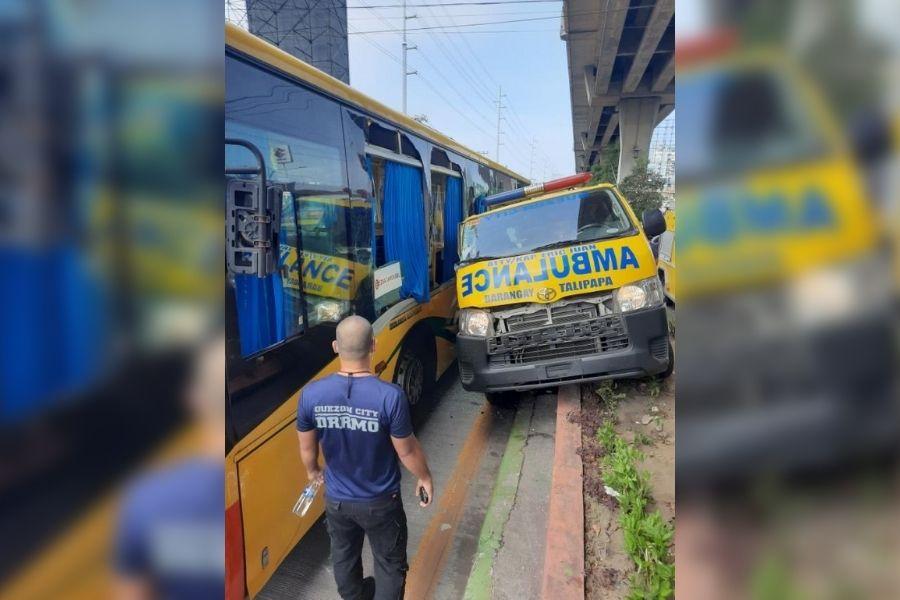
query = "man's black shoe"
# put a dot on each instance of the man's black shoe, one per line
(368, 588)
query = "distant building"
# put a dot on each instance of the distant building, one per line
(661, 157)
(315, 31)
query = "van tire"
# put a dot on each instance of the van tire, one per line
(502, 399)
(415, 371)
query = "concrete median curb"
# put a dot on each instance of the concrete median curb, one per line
(564, 550)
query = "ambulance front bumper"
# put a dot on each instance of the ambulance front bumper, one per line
(621, 346)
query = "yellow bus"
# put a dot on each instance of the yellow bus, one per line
(336, 205)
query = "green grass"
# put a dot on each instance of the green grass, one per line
(608, 393)
(643, 439)
(647, 535)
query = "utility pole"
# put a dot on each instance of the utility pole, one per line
(531, 160)
(500, 107)
(406, 48)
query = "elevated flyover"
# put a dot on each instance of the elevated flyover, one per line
(621, 56)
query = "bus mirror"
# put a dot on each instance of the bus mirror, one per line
(252, 218)
(252, 223)
(653, 222)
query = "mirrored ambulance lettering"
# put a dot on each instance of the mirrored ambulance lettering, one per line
(579, 260)
(723, 217)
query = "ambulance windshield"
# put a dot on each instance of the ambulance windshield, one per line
(734, 122)
(560, 221)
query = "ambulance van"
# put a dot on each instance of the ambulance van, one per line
(559, 287)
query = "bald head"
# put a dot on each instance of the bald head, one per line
(353, 338)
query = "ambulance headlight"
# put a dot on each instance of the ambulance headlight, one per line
(839, 293)
(473, 321)
(646, 293)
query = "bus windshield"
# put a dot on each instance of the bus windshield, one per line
(573, 218)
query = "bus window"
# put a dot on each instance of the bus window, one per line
(400, 228)
(446, 190)
(438, 191)
(294, 129)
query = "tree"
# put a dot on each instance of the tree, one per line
(605, 169)
(643, 188)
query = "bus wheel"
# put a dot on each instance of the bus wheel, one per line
(502, 399)
(415, 373)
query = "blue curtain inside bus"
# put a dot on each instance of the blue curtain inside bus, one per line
(452, 217)
(404, 228)
(54, 329)
(479, 205)
(260, 311)
(372, 218)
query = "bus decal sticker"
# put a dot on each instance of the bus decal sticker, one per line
(400, 320)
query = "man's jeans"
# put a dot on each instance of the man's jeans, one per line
(384, 522)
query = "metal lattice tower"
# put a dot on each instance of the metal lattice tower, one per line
(315, 31)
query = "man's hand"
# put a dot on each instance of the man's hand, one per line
(429, 491)
(316, 475)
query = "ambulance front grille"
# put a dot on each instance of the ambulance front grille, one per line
(555, 315)
(565, 340)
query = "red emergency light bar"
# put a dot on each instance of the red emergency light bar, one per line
(709, 46)
(537, 188)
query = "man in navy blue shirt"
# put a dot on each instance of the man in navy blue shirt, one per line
(171, 527)
(364, 427)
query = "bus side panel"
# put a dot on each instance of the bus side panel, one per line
(271, 479)
(443, 304)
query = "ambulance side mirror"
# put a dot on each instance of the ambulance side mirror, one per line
(653, 222)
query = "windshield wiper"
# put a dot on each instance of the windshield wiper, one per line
(480, 258)
(554, 245)
(611, 236)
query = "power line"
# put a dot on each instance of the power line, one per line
(424, 80)
(460, 68)
(481, 3)
(464, 25)
(548, 14)
(450, 84)
(453, 87)
(481, 14)
(473, 78)
(479, 31)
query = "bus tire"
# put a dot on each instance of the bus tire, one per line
(416, 368)
(502, 399)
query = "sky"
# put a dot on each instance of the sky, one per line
(461, 71)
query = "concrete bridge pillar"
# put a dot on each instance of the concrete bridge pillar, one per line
(637, 119)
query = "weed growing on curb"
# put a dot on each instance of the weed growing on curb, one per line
(647, 535)
(608, 394)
